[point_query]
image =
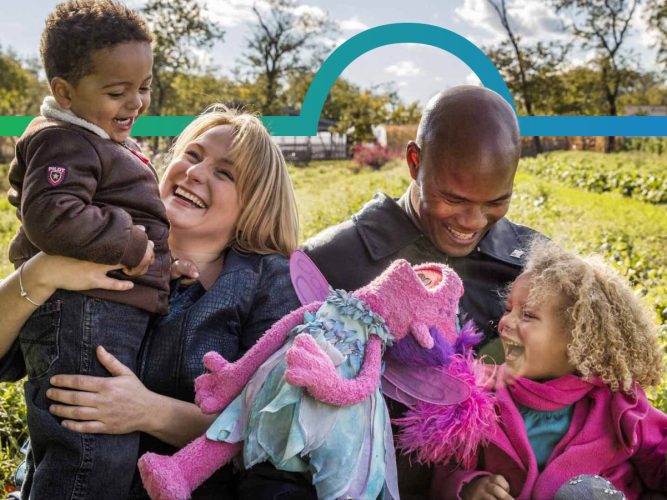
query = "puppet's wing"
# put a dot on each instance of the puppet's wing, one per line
(411, 384)
(309, 283)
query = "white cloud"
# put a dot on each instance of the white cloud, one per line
(472, 79)
(352, 24)
(231, 13)
(528, 19)
(310, 10)
(403, 68)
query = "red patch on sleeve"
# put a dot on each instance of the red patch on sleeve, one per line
(56, 175)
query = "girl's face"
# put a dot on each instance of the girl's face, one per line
(534, 338)
(199, 192)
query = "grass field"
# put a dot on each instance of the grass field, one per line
(628, 228)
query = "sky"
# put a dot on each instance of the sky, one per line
(417, 72)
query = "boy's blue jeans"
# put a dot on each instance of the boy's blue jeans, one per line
(61, 337)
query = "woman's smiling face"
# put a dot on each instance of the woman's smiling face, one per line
(199, 191)
(533, 335)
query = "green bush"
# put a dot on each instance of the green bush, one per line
(640, 176)
(12, 433)
(653, 145)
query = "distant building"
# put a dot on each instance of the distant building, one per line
(645, 110)
(326, 145)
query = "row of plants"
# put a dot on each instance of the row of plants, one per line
(653, 145)
(635, 175)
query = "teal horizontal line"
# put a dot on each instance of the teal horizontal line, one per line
(641, 126)
(150, 126)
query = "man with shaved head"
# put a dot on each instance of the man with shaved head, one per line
(462, 165)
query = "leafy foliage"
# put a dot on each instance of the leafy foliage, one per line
(643, 177)
(21, 91)
(13, 433)
(287, 38)
(179, 27)
(371, 155)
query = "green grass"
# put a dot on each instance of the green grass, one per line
(629, 232)
(637, 175)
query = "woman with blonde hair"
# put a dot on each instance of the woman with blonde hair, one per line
(234, 222)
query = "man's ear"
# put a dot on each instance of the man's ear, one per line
(62, 92)
(413, 158)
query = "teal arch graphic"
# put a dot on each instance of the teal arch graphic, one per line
(390, 34)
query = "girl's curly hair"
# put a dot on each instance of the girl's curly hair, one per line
(613, 334)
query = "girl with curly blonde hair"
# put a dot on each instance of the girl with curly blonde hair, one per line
(574, 421)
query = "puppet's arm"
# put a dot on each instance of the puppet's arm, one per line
(308, 366)
(215, 390)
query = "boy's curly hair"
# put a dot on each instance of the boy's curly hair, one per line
(78, 28)
(613, 334)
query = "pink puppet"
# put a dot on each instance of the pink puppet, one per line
(307, 396)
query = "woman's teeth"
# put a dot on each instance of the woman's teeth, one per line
(195, 200)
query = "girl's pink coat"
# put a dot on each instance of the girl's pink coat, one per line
(619, 437)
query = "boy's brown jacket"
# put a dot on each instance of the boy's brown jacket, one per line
(83, 196)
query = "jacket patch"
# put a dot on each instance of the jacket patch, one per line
(56, 175)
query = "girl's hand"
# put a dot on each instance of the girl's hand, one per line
(50, 272)
(487, 488)
(102, 405)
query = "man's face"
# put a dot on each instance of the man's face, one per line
(458, 200)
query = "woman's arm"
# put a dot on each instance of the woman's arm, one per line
(41, 276)
(121, 403)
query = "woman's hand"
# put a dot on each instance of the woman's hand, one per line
(487, 488)
(50, 272)
(102, 405)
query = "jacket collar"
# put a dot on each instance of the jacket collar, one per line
(51, 109)
(385, 228)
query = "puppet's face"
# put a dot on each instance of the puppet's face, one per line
(413, 300)
(445, 290)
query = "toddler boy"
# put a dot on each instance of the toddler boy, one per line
(82, 189)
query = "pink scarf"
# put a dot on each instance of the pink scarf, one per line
(598, 427)
(548, 396)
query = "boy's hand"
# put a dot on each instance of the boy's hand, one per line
(487, 488)
(146, 261)
(186, 269)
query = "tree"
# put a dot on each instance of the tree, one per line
(179, 27)
(21, 91)
(356, 111)
(405, 114)
(285, 40)
(604, 25)
(529, 71)
(657, 12)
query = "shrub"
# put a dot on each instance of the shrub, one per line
(13, 433)
(639, 176)
(374, 155)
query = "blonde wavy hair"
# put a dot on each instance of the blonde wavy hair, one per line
(613, 335)
(268, 220)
